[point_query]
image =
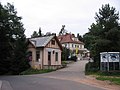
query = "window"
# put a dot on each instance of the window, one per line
(80, 46)
(72, 45)
(56, 56)
(49, 58)
(65, 45)
(29, 56)
(53, 42)
(53, 51)
(37, 55)
(49, 55)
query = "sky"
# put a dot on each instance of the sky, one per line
(50, 15)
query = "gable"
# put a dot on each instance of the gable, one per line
(30, 45)
(54, 43)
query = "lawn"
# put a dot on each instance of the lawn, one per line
(115, 80)
(113, 77)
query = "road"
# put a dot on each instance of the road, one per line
(69, 78)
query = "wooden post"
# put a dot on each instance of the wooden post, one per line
(100, 63)
(119, 60)
(107, 62)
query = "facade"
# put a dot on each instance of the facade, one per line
(71, 42)
(45, 52)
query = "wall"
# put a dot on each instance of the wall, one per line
(53, 49)
(33, 50)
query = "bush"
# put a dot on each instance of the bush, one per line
(64, 64)
(90, 68)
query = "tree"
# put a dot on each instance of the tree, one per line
(80, 38)
(104, 36)
(63, 31)
(65, 53)
(40, 34)
(35, 34)
(12, 41)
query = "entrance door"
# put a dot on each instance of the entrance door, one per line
(49, 58)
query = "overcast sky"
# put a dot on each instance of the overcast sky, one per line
(50, 15)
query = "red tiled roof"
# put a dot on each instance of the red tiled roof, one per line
(67, 38)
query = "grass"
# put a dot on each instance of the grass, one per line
(113, 77)
(35, 71)
(115, 80)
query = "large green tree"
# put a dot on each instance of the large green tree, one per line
(13, 45)
(104, 35)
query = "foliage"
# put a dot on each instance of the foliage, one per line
(40, 34)
(104, 35)
(12, 41)
(65, 53)
(64, 64)
(80, 38)
(63, 31)
(113, 77)
(37, 34)
(35, 71)
(117, 74)
(91, 68)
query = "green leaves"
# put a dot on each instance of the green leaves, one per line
(35, 34)
(104, 35)
(12, 41)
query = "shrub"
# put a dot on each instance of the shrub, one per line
(64, 64)
(91, 67)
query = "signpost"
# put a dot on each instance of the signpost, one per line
(109, 61)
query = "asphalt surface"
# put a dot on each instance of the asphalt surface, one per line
(63, 79)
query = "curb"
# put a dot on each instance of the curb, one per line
(0, 84)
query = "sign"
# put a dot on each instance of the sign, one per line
(104, 57)
(109, 57)
(113, 57)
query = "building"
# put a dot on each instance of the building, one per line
(71, 42)
(45, 52)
